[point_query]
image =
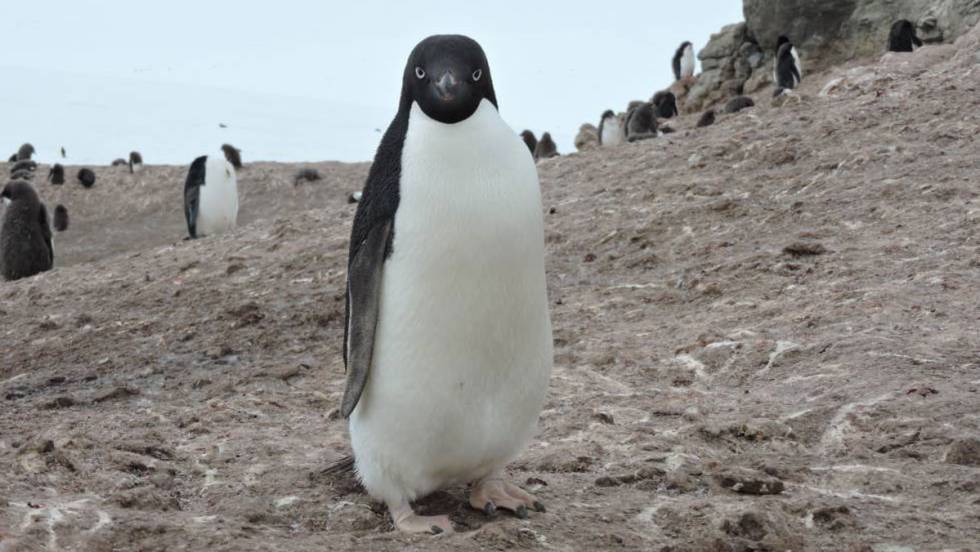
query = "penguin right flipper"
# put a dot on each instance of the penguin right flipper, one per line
(46, 232)
(363, 304)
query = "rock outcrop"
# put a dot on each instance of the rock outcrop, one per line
(738, 59)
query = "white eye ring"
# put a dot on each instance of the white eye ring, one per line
(419, 72)
(477, 74)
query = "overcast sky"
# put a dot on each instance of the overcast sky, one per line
(296, 81)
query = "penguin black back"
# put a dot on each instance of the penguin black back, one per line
(666, 104)
(25, 235)
(787, 70)
(707, 118)
(678, 56)
(192, 193)
(119, 161)
(61, 218)
(56, 175)
(641, 123)
(86, 178)
(529, 140)
(546, 147)
(306, 175)
(738, 103)
(233, 155)
(25, 152)
(902, 37)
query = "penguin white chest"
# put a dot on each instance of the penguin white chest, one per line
(612, 131)
(687, 62)
(463, 347)
(218, 201)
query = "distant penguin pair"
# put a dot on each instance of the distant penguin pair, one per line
(26, 246)
(787, 71)
(135, 162)
(902, 37)
(210, 196)
(545, 148)
(612, 130)
(683, 62)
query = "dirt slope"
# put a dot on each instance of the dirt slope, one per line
(766, 339)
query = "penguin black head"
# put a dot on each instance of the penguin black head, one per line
(448, 76)
(607, 114)
(25, 152)
(18, 191)
(780, 41)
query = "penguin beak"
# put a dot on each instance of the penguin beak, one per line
(447, 87)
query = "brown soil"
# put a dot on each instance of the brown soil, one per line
(766, 339)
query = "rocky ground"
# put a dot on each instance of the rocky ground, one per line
(766, 339)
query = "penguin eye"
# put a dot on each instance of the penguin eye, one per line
(419, 72)
(477, 74)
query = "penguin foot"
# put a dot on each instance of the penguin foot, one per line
(487, 495)
(408, 521)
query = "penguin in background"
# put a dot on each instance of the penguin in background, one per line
(902, 37)
(449, 234)
(787, 71)
(666, 104)
(233, 155)
(611, 131)
(210, 196)
(135, 162)
(64, 154)
(546, 148)
(56, 175)
(25, 152)
(707, 119)
(119, 162)
(641, 123)
(683, 62)
(86, 177)
(530, 140)
(26, 246)
(61, 218)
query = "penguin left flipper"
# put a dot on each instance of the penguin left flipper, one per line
(46, 231)
(363, 294)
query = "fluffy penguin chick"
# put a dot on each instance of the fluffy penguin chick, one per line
(546, 147)
(56, 175)
(210, 196)
(902, 37)
(61, 218)
(641, 123)
(25, 234)
(448, 335)
(530, 140)
(666, 104)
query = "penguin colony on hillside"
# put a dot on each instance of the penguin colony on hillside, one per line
(450, 398)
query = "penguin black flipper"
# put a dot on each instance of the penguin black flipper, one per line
(42, 219)
(370, 245)
(192, 193)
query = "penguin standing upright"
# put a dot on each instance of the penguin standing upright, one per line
(530, 140)
(902, 37)
(683, 62)
(786, 71)
(25, 235)
(56, 175)
(448, 339)
(210, 196)
(611, 129)
(546, 147)
(135, 162)
(25, 152)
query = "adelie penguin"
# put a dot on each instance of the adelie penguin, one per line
(611, 131)
(546, 147)
(135, 162)
(25, 235)
(233, 155)
(902, 37)
(448, 341)
(56, 175)
(787, 71)
(86, 178)
(666, 104)
(683, 62)
(61, 218)
(641, 123)
(210, 196)
(530, 140)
